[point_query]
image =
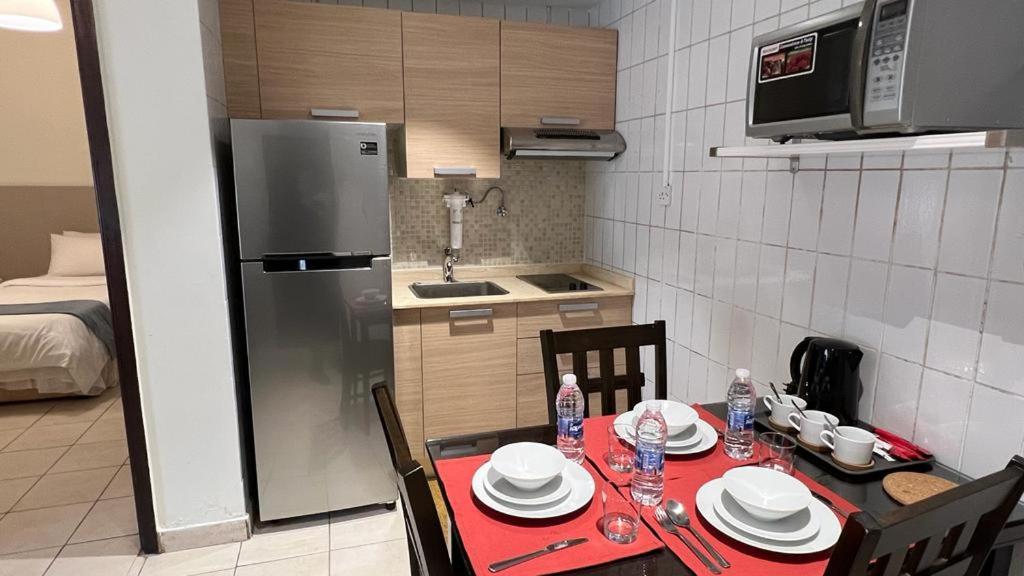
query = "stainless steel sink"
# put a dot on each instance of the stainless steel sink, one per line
(456, 289)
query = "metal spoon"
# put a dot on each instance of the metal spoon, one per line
(668, 526)
(776, 391)
(677, 513)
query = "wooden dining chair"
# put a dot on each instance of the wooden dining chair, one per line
(604, 341)
(949, 534)
(428, 552)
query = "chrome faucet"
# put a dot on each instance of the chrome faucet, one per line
(448, 268)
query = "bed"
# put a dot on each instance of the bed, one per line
(47, 354)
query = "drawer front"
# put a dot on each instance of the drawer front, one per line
(530, 361)
(532, 401)
(573, 314)
(469, 369)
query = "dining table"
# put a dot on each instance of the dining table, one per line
(865, 495)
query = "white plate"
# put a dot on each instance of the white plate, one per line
(689, 437)
(581, 491)
(497, 486)
(800, 526)
(826, 537)
(708, 440)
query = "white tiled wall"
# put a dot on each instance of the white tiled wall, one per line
(919, 259)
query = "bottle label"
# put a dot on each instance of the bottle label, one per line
(649, 460)
(571, 427)
(741, 420)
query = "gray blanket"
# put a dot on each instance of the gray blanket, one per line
(93, 313)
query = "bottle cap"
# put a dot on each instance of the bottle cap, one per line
(743, 373)
(569, 379)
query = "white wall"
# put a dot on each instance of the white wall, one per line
(160, 132)
(916, 258)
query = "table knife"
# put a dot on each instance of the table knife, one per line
(555, 547)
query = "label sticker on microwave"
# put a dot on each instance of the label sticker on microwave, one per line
(789, 58)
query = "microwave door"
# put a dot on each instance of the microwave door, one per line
(310, 187)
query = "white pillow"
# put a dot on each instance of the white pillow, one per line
(71, 256)
(73, 234)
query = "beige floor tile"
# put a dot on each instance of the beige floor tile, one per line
(21, 415)
(87, 456)
(121, 485)
(7, 436)
(112, 557)
(43, 528)
(67, 488)
(115, 410)
(391, 558)
(192, 562)
(286, 541)
(12, 490)
(369, 527)
(108, 519)
(33, 563)
(72, 410)
(104, 431)
(136, 568)
(38, 436)
(229, 572)
(314, 565)
(28, 463)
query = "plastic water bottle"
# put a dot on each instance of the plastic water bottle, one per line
(739, 426)
(648, 484)
(569, 407)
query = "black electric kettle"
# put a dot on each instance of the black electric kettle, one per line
(826, 373)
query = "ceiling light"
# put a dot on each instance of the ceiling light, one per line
(30, 15)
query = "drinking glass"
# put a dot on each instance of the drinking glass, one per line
(620, 454)
(620, 521)
(777, 452)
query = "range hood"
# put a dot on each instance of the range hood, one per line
(561, 143)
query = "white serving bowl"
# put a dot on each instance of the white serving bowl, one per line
(528, 465)
(678, 416)
(766, 494)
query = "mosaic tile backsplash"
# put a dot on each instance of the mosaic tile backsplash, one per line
(544, 222)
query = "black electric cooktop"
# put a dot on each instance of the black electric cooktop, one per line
(558, 283)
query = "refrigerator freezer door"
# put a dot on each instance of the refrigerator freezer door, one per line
(305, 186)
(317, 341)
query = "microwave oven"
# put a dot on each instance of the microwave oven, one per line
(884, 67)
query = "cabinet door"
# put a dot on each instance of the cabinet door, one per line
(321, 60)
(469, 369)
(241, 72)
(558, 73)
(409, 379)
(452, 119)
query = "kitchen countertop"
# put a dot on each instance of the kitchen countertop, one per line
(613, 284)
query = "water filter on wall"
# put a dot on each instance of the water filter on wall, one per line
(456, 202)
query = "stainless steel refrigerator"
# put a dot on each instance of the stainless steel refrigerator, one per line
(314, 244)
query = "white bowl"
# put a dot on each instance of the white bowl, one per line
(528, 465)
(678, 416)
(766, 494)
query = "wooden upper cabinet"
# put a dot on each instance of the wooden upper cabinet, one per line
(329, 58)
(452, 95)
(241, 72)
(557, 72)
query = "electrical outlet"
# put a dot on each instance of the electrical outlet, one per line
(664, 197)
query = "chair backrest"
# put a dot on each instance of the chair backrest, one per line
(428, 552)
(949, 534)
(604, 341)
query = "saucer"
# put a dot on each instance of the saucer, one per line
(855, 467)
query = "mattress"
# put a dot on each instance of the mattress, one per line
(53, 353)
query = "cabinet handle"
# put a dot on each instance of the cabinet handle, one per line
(559, 120)
(579, 307)
(332, 113)
(474, 313)
(450, 171)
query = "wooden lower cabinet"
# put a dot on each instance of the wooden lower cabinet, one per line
(409, 380)
(532, 398)
(469, 369)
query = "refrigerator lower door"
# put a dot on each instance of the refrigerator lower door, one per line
(317, 341)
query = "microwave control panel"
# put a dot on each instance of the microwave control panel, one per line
(884, 72)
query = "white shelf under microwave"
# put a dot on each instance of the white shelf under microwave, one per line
(793, 151)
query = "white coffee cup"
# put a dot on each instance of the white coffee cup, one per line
(851, 445)
(811, 427)
(782, 410)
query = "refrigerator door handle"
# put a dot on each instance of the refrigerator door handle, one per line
(316, 262)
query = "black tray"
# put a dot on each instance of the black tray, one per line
(881, 468)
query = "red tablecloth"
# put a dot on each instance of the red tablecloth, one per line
(595, 436)
(683, 477)
(489, 536)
